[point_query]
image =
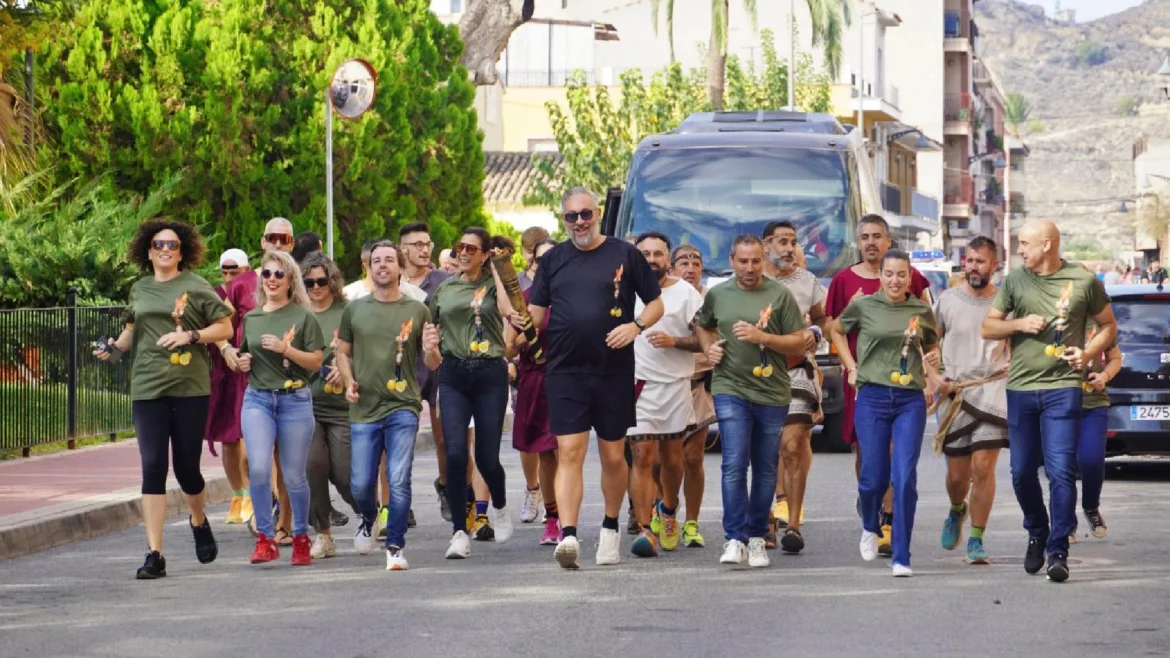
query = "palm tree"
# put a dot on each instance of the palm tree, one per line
(1016, 111)
(829, 18)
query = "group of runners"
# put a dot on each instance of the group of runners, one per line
(324, 384)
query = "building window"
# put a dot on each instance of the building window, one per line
(542, 145)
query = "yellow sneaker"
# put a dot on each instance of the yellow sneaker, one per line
(246, 511)
(781, 513)
(670, 532)
(885, 547)
(233, 515)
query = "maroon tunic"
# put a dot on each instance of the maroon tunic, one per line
(227, 387)
(530, 431)
(841, 291)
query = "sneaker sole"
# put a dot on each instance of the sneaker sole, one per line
(549, 542)
(1060, 577)
(146, 575)
(457, 556)
(694, 543)
(643, 548)
(567, 558)
(792, 547)
(978, 560)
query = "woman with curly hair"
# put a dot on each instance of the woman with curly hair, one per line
(330, 452)
(282, 346)
(172, 315)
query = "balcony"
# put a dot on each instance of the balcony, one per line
(958, 32)
(892, 198)
(959, 193)
(957, 114)
(923, 205)
(980, 74)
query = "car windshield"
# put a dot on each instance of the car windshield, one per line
(1142, 322)
(707, 196)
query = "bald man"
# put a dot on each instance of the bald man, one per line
(1050, 302)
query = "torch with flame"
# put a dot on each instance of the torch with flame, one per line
(901, 375)
(398, 383)
(328, 369)
(1090, 365)
(616, 311)
(764, 369)
(1056, 349)
(478, 344)
(182, 357)
(290, 382)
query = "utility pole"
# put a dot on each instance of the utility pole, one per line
(792, 55)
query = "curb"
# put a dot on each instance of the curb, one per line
(45, 528)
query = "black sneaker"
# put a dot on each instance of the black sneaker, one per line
(1057, 568)
(444, 506)
(1034, 560)
(205, 547)
(410, 522)
(337, 519)
(1096, 523)
(154, 567)
(792, 542)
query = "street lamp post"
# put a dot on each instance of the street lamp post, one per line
(350, 94)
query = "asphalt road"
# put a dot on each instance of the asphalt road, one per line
(513, 600)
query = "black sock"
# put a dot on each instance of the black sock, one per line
(610, 523)
(569, 531)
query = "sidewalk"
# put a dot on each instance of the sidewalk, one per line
(71, 496)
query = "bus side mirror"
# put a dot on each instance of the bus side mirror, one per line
(609, 216)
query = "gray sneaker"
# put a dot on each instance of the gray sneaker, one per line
(444, 506)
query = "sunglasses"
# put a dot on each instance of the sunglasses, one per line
(321, 282)
(585, 215)
(278, 238)
(159, 245)
(272, 274)
(461, 247)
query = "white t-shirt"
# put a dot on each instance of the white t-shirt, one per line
(805, 288)
(359, 289)
(681, 303)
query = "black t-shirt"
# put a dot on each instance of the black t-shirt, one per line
(577, 286)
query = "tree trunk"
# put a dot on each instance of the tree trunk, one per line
(485, 28)
(716, 64)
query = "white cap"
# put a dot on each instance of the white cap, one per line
(237, 256)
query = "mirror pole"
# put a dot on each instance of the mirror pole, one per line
(329, 172)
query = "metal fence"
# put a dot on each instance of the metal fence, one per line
(51, 387)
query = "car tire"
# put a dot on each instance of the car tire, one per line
(830, 438)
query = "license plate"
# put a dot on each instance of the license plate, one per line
(1150, 412)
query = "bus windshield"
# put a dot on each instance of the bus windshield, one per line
(707, 196)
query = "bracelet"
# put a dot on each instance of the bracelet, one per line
(193, 337)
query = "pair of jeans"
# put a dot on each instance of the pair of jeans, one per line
(330, 456)
(1045, 425)
(1091, 456)
(473, 388)
(393, 435)
(270, 419)
(750, 434)
(884, 414)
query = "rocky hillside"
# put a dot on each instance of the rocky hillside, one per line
(1095, 89)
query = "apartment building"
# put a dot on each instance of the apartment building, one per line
(1151, 173)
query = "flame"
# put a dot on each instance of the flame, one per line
(408, 326)
(290, 334)
(1066, 294)
(765, 315)
(336, 333)
(617, 276)
(477, 300)
(180, 306)
(914, 322)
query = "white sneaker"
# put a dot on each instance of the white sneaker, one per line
(323, 547)
(363, 539)
(609, 547)
(460, 546)
(869, 541)
(734, 552)
(567, 552)
(901, 570)
(757, 553)
(395, 560)
(531, 508)
(503, 525)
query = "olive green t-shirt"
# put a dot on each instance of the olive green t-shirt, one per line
(726, 304)
(1092, 398)
(881, 327)
(269, 372)
(331, 406)
(372, 327)
(151, 304)
(1024, 293)
(451, 307)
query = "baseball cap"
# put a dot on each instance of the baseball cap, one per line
(237, 256)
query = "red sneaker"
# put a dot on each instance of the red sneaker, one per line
(301, 547)
(266, 550)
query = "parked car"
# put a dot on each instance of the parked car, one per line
(1139, 413)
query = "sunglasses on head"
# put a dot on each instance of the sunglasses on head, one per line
(689, 256)
(321, 282)
(461, 247)
(278, 238)
(572, 215)
(270, 274)
(159, 245)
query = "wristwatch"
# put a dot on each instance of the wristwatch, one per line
(192, 337)
(640, 325)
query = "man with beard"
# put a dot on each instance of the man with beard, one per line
(979, 430)
(796, 440)
(854, 282)
(590, 282)
(663, 368)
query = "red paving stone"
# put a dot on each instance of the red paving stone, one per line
(29, 484)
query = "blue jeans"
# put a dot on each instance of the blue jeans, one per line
(268, 420)
(1045, 424)
(393, 435)
(750, 434)
(884, 414)
(1091, 456)
(473, 388)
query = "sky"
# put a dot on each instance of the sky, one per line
(1088, 10)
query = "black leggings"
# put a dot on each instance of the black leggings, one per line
(179, 423)
(473, 389)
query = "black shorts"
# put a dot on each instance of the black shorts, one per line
(428, 384)
(581, 402)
